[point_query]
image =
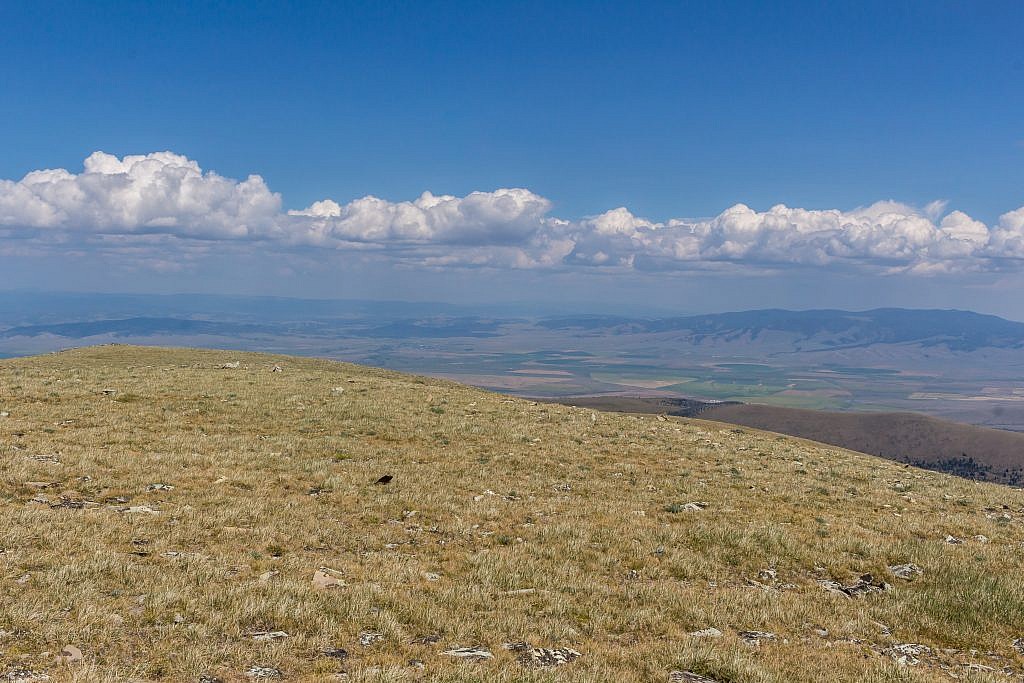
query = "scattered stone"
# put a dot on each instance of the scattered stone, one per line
(338, 390)
(68, 503)
(4, 413)
(864, 585)
(431, 576)
(368, 638)
(907, 653)
(230, 366)
(953, 540)
(517, 646)
(711, 632)
(71, 654)
(207, 678)
(905, 571)
(138, 510)
(768, 575)
(325, 579)
(1018, 645)
(417, 664)
(981, 538)
(160, 487)
(276, 368)
(267, 576)
(24, 675)
(469, 653)
(339, 653)
(689, 677)
(428, 639)
(386, 479)
(267, 636)
(755, 637)
(695, 506)
(521, 591)
(266, 672)
(544, 657)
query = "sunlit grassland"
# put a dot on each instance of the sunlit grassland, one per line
(505, 520)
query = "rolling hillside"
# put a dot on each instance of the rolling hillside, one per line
(965, 450)
(182, 515)
(970, 451)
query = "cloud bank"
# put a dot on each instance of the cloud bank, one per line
(140, 204)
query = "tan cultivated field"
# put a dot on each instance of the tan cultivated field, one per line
(167, 518)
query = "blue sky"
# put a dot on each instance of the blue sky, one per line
(674, 111)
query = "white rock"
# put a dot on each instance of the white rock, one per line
(905, 571)
(368, 638)
(711, 632)
(267, 636)
(324, 579)
(472, 653)
(257, 671)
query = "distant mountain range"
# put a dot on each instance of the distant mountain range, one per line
(958, 365)
(826, 329)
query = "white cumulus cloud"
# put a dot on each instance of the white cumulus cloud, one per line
(163, 194)
(160, 192)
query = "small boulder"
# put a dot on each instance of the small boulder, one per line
(862, 586)
(71, 654)
(368, 638)
(325, 579)
(268, 636)
(20, 675)
(689, 677)
(905, 571)
(545, 657)
(257, 671)
(469, 653)
(711, 632)
(907, 654)
(755, 637)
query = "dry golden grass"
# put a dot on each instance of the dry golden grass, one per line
(583, 514)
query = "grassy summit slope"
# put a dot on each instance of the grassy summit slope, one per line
(505, 521)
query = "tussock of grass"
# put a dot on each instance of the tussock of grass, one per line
(505, 521)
